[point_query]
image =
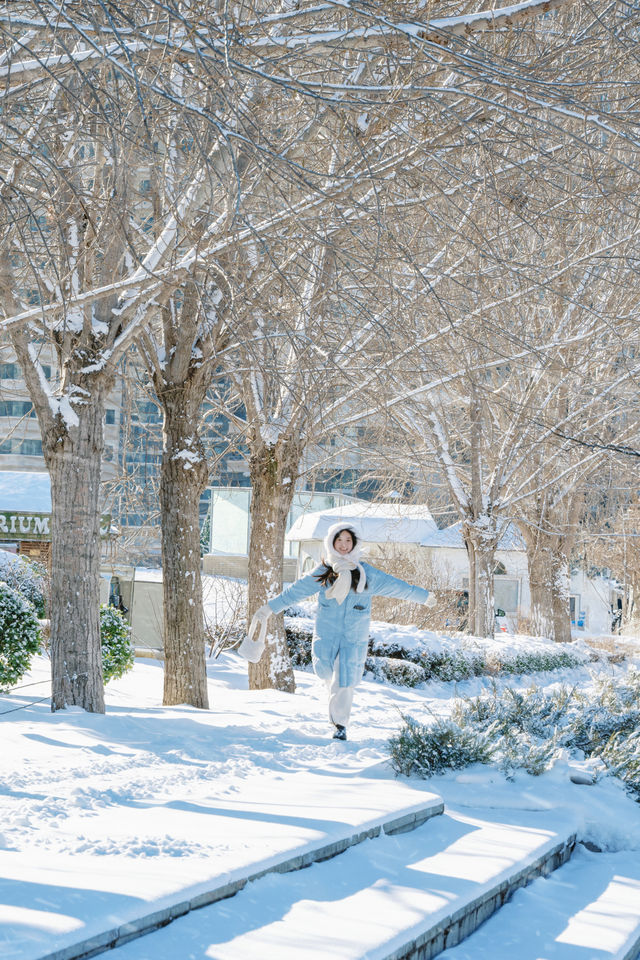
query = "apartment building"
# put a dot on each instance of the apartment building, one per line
(20, 440)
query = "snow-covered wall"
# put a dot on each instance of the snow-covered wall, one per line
(592, 603)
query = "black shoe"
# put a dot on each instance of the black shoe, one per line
(340, 732)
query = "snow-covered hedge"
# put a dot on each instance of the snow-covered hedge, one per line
(460, 658)
(529, 730)
(26, 576)
(115, 637)
(298, 633)
(401, 672)
(408, 656)
(19, 635)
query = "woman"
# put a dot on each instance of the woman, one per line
(340, 638)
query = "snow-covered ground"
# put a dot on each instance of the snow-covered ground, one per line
(104, 817)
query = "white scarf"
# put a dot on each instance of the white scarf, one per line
(343, 564)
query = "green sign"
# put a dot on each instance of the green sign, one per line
(35, 526)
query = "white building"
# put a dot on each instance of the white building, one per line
(230, 528)
(511, 579)
(411, 530)
(381, 524)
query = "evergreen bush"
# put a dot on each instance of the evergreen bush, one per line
(19, 635)
(115, 638)
(429, 749)
(526, 730)
(404, 673)
(299, 644)
(26, 576)
(453, 666)
(622, 757)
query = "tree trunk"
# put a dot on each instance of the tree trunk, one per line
(541, 589)
(485, 605)
(471, 592)
(73, 457)
(540, 568)
(630, 592)
(481, 537)
(560, 597)
(274, 471)
(183, 477)
(479, 531)
(548, 530)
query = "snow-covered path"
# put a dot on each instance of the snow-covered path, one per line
(104, 818)
(586, 910)
(368, 902)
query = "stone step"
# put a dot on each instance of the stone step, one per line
(589, 909)
(339, 839)
(405, 897)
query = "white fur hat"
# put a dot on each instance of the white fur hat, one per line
(333, 532)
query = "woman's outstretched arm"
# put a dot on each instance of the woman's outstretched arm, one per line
(300, 590)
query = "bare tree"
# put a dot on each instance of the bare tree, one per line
(181, 359)
(300, 358)
(97, 94)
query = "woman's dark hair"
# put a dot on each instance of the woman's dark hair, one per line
(328, 575)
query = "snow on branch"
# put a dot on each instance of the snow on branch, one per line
(437, 31)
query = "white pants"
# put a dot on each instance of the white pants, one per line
(340, 698)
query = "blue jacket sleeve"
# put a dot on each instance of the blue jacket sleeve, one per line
(384, 585)
(302, 588)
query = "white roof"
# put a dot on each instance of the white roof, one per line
(25, 491)
(452, 537)
(377, 522)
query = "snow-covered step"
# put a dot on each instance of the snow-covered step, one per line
(392, 898)
(589, 909)
(333, 835)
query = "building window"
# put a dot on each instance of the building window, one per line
(26, 448)
(12, 371)
(578, 616)
(507, 594)
(110, 416)
(30, 448)
(16, 408)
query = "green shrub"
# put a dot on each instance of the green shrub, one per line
(525, 730)
(622, 756)
(532, 712)
(429, 749)
(452, 666)
(458, 665)
(115, 637)
(26, 576)
(299, 643)
(404, 673)
(517, 750)
(539, 661)
(19, 635)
